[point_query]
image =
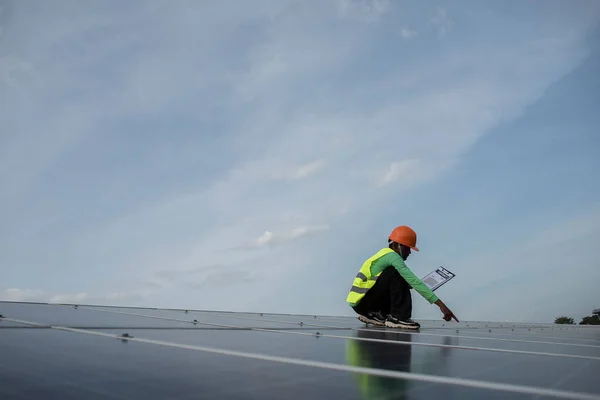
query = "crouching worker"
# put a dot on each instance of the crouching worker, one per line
(380, 293)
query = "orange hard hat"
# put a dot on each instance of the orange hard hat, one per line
(404, 235)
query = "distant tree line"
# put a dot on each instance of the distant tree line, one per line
(564, 321)
(591, 320)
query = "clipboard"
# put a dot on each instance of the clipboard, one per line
(435, 279)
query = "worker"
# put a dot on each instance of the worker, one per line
(380, 293)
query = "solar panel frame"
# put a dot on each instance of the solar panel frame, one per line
(320, 340)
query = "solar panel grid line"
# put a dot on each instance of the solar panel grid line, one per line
(574, 385)
(476, 324)
(323, 326)
(329, 326)
(518, 325)
(502, 331)
(463, 336)
(422, 333)
(98, 308)
(537, 335)
(172, 309)
(192, 321)
(474, 348)
(484, 338)
(507, 325)
(512, 333)
(278, 321)
(505, 322)
(431, 334)
(233, 315)
(318, 316)
(167, 328)
(394, 342)
(545, 337)
(585, 335)
(471, 383)
(576, 334)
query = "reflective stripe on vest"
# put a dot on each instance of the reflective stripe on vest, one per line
(364, 281)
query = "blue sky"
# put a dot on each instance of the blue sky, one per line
(250, 155)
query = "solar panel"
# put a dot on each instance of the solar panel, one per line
(93, 352)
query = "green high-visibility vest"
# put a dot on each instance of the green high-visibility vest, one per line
(363, 280)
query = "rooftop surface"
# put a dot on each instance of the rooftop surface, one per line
(95, 352)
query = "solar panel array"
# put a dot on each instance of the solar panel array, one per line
(99, 352)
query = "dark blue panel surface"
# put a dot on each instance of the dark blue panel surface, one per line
(218, 320)
(427, 336)
(50, 364)
(541, 371)
(70, 316)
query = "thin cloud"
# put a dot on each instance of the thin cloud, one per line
(442, 22)
(223, 277)
(270, 238)
(307, 170)
(194, 128)
(34, 295)
(406, 170)
(294, 172)
(363, 10)
(306, 231)
(217, 275)
(15, 294)
(264, 239)
(13, 70)
(408, 33)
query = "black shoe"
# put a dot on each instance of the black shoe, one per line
(393, 322)
(372, 317)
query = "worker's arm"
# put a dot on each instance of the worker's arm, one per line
(393, 259)
(412, 280)
(421, 288)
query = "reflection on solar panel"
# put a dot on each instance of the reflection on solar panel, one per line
(99, 352)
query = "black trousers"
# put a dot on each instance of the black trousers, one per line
(389, 295)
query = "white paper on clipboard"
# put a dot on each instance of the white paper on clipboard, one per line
(437, 278)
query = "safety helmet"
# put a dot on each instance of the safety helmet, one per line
(404, 235)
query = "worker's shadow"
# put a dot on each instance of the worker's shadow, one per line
(403, 357)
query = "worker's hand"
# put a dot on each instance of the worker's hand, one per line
(448, 314)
